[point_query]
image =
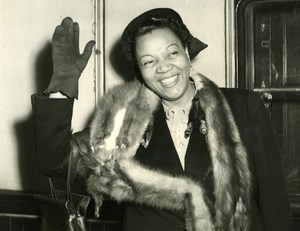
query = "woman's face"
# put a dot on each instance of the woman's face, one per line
(165, 66)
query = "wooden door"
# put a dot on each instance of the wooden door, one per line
(271, 60)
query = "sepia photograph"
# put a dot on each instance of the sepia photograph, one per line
(159, 115)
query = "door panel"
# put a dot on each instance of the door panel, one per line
(272, 67)
(292, 143)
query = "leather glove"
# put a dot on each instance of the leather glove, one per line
(68, 63)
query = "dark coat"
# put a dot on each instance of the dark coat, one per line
(269, 202)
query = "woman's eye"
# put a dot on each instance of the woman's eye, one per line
(146, 63)
(173, 53)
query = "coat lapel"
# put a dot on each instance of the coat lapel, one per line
(161, 152)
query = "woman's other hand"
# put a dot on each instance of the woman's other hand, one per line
(68, 63)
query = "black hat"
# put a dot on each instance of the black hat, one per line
(194, 45)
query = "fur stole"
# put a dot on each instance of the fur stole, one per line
(122, 121)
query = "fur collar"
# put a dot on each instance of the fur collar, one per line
(122, 121)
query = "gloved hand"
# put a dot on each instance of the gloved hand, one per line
(68, 63)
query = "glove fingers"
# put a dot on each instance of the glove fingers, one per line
(76, 35)
(84, 58)
(66, 22)
(67, 25)
(59, 34)
(88, 50)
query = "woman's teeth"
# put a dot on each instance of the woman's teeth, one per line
(170, 80)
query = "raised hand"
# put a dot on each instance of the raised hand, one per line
(68, 63)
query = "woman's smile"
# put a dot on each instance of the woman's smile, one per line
(169, 81)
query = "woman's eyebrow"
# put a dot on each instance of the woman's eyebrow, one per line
(145, 56)
(173, 44)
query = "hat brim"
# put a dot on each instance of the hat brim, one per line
(195, 45)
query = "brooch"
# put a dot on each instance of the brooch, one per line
(188, 130)
(203, 129)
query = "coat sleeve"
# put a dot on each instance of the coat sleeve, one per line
(54, 140)
(271, 185)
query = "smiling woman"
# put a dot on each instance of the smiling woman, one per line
(165, 66)
(186, 154)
